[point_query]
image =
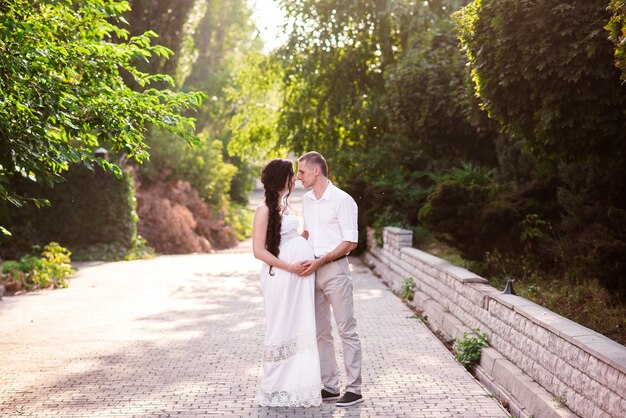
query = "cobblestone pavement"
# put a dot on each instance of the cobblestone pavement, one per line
(182, 336)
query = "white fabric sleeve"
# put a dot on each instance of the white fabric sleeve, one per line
(347, 215)
(304, 217)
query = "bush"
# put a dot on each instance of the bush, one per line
(617, 30)
(53, 268)
(408, 288)
(468, 349)
(549, 74)
(456, 209)
(239, 218)
(470, 211)
(203, 166)
(90, 209)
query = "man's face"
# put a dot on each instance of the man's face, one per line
(306, 174)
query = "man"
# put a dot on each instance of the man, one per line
(330, 224)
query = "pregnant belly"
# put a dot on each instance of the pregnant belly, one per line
(296, 249)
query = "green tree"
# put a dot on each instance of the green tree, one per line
(224, 40)
(434, 119)
(255, 99)
(63, 94)
(545, 72)
(617, 31)
(430, 102)
(329, 90)
(333, 66)
(175, 22)
(212, 57)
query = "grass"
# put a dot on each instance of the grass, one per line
(586, 303)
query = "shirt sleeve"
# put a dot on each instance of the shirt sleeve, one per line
(347, 214)
(304, 214)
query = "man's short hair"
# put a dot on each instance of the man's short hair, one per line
(315, 158)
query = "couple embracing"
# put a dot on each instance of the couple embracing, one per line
(303, 276)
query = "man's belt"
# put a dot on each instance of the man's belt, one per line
(336, 259)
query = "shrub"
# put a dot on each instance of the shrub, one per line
(617, 30)
(53, 268)
(89, 209)
(456, 209)
(469, 348)
(408, 288)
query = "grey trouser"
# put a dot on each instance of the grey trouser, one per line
(333, 287)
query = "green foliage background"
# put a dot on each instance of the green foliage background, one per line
(63, 89)
(90, 210)
(507, 146)
(494, 126)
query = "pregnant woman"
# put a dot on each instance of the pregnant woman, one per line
(291, 370)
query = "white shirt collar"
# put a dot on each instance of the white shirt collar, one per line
(327, 193)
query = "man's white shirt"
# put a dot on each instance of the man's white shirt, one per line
(330, 220)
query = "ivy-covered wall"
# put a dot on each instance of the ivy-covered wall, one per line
(91, 209)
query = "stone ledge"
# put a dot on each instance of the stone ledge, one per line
(444, 291)
(514, 406)
(584, 338)
(534, 398)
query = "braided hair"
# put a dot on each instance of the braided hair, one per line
(275, 175)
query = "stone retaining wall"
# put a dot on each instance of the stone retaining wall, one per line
(541, 363)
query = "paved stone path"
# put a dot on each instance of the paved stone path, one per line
(182, 336)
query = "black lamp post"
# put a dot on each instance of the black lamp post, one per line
(101, 153)
(508, 290)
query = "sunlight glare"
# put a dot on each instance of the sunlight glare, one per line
(269, 19)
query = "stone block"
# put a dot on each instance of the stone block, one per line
(557, 386)
(541, 375)
(576, 380)
(463, 275)
(496, 309)
(583, 406)
(488, 358)
(552, 343)
(423, 257)
(564, 372)
(605, 374)
(614, 405)
(469, 293)
(599, 413)
(498, 327)
(405, 266)
(435, 313)
(548, 359)
(601, 395)
(621, 386)
(507, 374)
(535, 398)
(452, 326)
(592, 367)
(420, 299)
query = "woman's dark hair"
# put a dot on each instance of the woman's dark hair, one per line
(275, 175)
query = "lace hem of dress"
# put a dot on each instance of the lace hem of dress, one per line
(301, 397)
(280, 352)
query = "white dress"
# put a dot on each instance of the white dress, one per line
(291, 368)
